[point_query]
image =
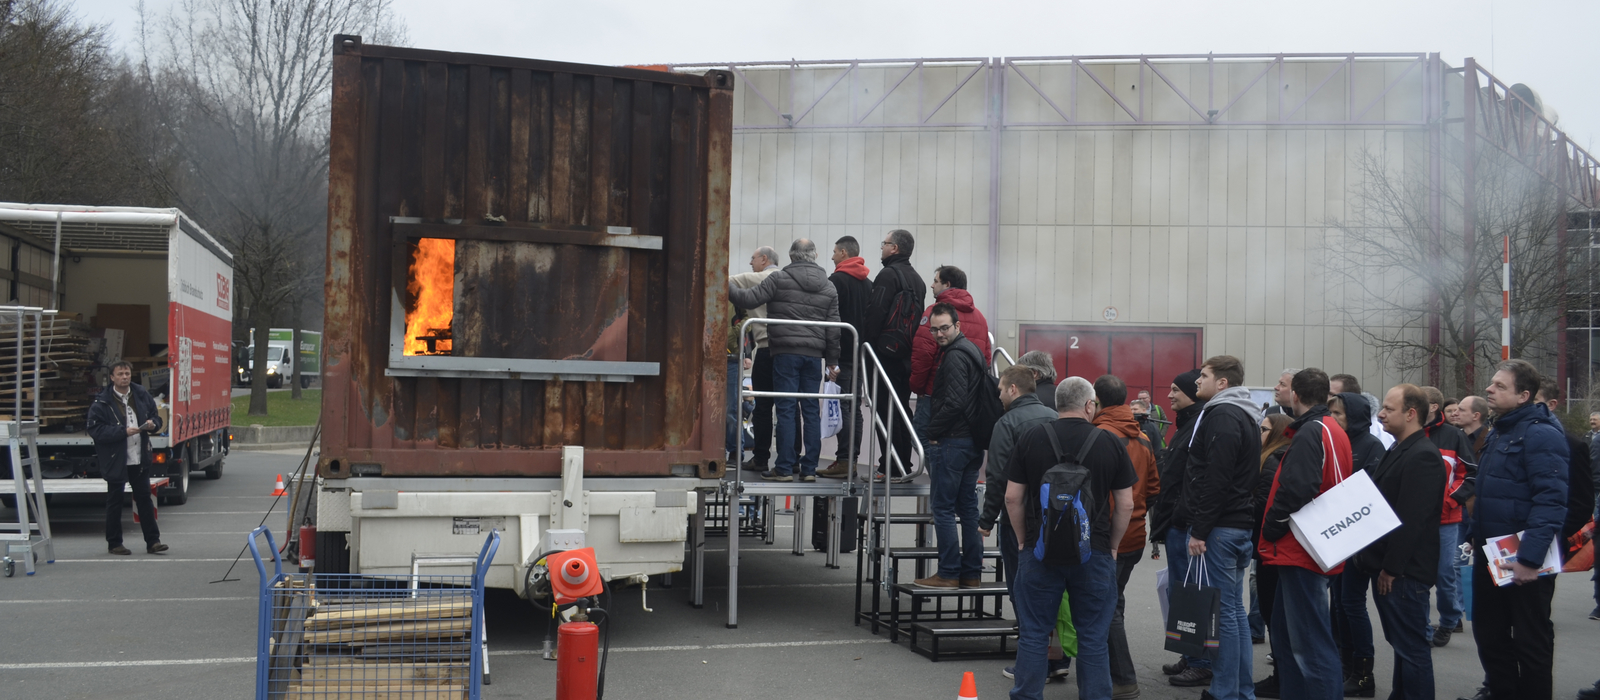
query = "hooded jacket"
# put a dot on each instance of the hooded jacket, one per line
(1173, 463)
(1318, 459)
(800, 291)
(849, 278)
(1456, 450)
(896, 276)
(1119, 421)
(1023, 413)
(1411, 478)
(107, 425)
(1522, 481)
(1263, 488)
(1224, 458)
(953, 398)
(925, 350)
(1366, 451)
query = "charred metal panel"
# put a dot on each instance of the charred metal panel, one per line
(588, 206)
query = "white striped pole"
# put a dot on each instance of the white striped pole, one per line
(1505, 297)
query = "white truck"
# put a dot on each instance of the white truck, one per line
(159, 260)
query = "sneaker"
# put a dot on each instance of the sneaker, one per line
(1124, 692)
(1592, 693)
(1595, 614)
(1009, 672)
(752, 465)
(1482, 694)
(1174, 669)
(1058, 668)
(119, 550)
(773, 475)
(1268, 687)
(1258, 640)
(1191, 677)
(808, 477)
(1206, 695)
(1461, 626)
(156, 548)
(972, 583)
(937, 581)
(1441, 636)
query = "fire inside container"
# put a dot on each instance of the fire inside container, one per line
(432, 288)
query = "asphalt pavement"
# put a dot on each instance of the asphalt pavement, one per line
(94, 625)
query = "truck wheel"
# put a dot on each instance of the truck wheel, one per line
(305, 381)
(179, 495)
(214, 471)
(275, 382)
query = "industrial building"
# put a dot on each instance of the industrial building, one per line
(1135, 214)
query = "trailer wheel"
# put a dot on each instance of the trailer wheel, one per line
(179, 495)
(305, 381)
(214, 471)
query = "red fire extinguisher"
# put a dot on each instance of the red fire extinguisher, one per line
(580, 663)
(308, 547)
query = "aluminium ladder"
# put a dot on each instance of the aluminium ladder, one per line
(33, 513)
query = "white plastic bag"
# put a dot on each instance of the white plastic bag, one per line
(832, 414)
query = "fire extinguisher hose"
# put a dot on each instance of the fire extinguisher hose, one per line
(604, 624)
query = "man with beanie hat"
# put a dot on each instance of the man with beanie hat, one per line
(1166, 527)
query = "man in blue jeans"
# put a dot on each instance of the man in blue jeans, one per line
(799, 292)
(1224, 463)
(1091, 586)
(954, 465)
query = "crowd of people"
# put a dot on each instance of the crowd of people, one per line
(1078, 478)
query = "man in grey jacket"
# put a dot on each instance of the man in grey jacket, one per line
(799, 292)
(1023, 411)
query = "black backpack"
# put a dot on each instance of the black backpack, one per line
(1065, 507)
(900, 321)
(986, 407)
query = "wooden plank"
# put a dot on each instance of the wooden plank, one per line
(352, 672)
(393, 631)
(333, 616)
(404, 691)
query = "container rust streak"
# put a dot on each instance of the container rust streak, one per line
(525, 168)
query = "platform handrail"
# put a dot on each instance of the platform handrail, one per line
(881, 377)
(995, 355)
(738, 455)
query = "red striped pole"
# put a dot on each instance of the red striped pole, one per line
(1505, 297)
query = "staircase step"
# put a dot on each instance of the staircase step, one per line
(915, 591)
(979, 627)
(927, 553)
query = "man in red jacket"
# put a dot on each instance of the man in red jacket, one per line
(949, 287)
(1461, 464)
(1318, 458)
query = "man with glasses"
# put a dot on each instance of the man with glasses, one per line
(893, 311)
(953, 467)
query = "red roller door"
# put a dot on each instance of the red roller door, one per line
(1144, 357)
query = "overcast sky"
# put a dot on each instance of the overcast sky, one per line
(1546, 44)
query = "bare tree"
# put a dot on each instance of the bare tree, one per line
(1400, 265)
(76, 126)
(250, 83)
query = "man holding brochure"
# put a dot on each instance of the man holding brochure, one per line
(1405, 563)
(1317, 460)
(1522, 488)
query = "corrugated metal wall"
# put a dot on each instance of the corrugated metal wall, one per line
(1181, 223)
(484, 140)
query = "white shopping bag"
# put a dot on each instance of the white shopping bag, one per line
(1161, 593)
(1339, 523)
(832, 415)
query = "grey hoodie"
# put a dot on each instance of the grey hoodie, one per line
(801, 292)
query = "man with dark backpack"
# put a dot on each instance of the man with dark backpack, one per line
(893, 312)
(1069, 496)
(964, 403)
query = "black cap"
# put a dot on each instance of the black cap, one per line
(1186, 385)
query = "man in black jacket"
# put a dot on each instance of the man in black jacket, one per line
(892, 315)
(953, 467)
(1166, 526)
(1580, 484)
(1405, 562)
(1462, 462)
(121, 421)
(849, 278)
(1224, 459)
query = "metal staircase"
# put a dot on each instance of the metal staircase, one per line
(31, 531)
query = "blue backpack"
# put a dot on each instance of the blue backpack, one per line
(1064, 506)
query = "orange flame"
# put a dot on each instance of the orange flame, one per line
(432, 285)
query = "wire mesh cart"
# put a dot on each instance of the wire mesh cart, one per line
(369, 637)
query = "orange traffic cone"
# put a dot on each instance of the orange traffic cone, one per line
(278, 489)
(969, 688)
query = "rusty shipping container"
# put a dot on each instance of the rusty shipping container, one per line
(586, 212)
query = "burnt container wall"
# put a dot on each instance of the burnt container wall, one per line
(483, 140)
